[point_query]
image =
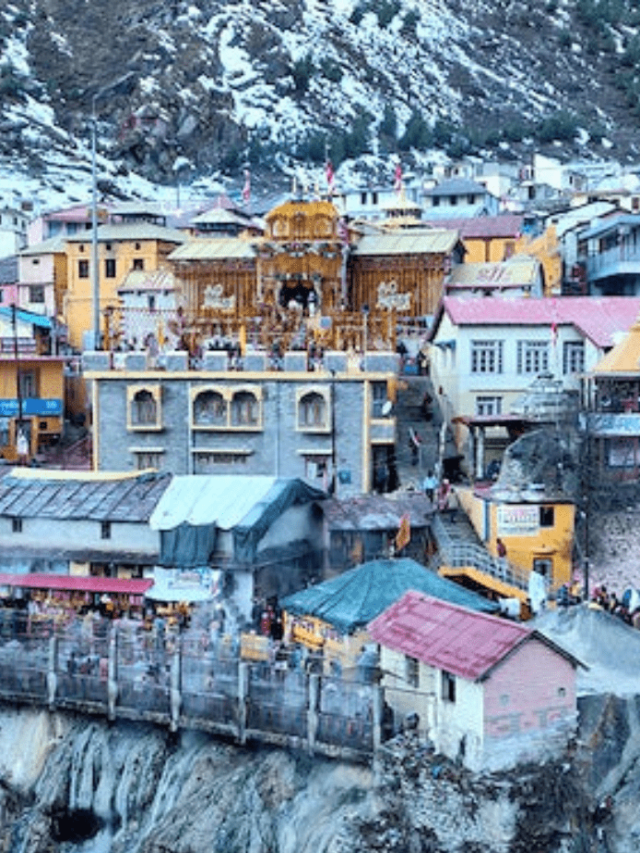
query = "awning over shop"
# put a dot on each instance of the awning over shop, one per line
(74, 583)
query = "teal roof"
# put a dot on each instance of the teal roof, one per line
(28, 317)
(353, 599)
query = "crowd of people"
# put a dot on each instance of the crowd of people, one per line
(626, 606)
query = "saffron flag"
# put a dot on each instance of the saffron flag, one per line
(246, 191)
(403, 536)
(397, 183)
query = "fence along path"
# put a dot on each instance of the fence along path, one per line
(179, 684)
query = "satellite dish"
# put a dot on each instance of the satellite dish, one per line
(386, 408)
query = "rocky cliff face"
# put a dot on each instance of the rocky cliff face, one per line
(73, 785)
(189, 88)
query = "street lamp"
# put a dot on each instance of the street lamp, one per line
(95, 276)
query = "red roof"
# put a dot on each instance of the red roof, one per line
(73, 583)
(447, 636)
(597, 318)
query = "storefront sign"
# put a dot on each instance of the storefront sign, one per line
(30, 406)
(518, 520)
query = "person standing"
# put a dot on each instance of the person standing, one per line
(415, 442)
(430, 485)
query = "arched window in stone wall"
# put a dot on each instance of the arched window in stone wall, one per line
(209, 409)
(312, 411)
(245, 409)
(144, 408)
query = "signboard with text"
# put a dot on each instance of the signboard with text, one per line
(518, 520)
(30, 406)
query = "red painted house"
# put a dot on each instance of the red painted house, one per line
(489, 692)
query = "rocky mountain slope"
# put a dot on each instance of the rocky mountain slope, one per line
(188, 88)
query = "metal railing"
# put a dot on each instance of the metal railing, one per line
(134, 675)
(459, 554)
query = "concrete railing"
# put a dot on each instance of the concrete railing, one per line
(253, 361)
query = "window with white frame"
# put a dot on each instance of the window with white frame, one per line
(488, 405)
(144, 410)
(312, 411)
(379, 397)
(148, 459)
(245, 409)
(533, 357)
(412, 671)
(210, 409)
(36, 293)
(486, 356)
(573, 357)
(448, 685)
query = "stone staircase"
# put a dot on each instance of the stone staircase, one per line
(410, 415)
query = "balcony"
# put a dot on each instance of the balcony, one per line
(623, 259)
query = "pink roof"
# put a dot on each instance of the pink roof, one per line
(470, 227)
(447, 636)
(75, 583)
(598, 318)
(77, 213)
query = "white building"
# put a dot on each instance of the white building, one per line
(13, 230)
(486, 352)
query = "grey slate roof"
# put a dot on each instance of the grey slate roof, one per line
(377, 512)
(99, 499)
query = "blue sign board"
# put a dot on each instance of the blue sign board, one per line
(30, 406)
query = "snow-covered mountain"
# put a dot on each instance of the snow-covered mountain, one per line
(184, 90)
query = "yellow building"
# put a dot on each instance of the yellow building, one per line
(31, 384)
(546, 249)
(536, 530)
(121, 249)
(488, 238)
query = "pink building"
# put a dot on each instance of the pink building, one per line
(487, 691)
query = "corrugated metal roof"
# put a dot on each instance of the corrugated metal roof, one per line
(624, 358)
(213, 249)
(148, 280)
(610, 223)
(109, 499)
(598, 318)
(411, 242)
(456, 186)
(513, 273)
(217, 499)
(377, 512)
(47, 247)
(446, 636)
(221, 216)
(357, 596)
(75, 583)
(28, 317)
(480, 227)
(132, 231)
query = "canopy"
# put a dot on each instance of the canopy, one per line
(76, 583)
(356, 597)
(193, 508)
